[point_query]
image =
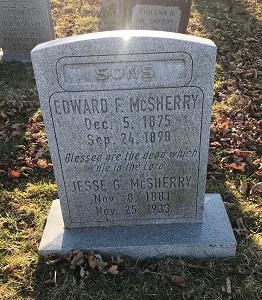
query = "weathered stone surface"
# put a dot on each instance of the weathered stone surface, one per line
(24, 24)
(211, 239)
(168, 15)
(127, 115)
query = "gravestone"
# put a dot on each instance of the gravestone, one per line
(127, 115)
(167, 15)
(24, 24)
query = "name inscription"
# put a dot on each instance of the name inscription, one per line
(113, 182)
(161, 18)
(23, 25)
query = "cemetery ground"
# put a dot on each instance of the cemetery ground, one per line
(234, 170)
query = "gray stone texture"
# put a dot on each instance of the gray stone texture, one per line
(167, 15)
(24, 24)
(127, 115)
(211, 239)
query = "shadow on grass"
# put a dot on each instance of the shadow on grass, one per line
(235, 31)
(19, 103)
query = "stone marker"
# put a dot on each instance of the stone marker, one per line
(168, 15)
(127, 115)
(24, 24)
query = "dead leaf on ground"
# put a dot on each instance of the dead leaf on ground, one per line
(22, 224)
(32, 149)
(25, 171)
(243, 188)
(242, 271)
(39, 153)
(240, 228)
(228, 286)
(118, 260)
(83, 273)
(50, 261)
(51, 281)
(179, 281)
(188, 295)
(42, 163)
(95, 260)
(76, 258)
(243, 153)
(113, 270)
(257, 188)
(12, 174)
(238, 167)
(8, 269)
(29, 162)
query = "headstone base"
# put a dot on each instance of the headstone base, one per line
(14, 57)
(213, 238)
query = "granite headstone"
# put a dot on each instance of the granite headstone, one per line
(127, 115)
(24, 24)
(168, 15)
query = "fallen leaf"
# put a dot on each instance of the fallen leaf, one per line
(257, 187)
(50, 261)
(93, 259)
(187, 295)
(34, 128)
(25, 171)
(38, 134)
(243, 188)
(42, 163)
(242, 271)
(228, 286)
(39, 153)
(223, 118)
(240, 228)
(248, 106)
(32, 120)
(76, 258)
(118, 260)
(258, 162)
(102, 264)
(225, 125)
(3, 115)
(20, 147)
(22, 224)
(32, 149)
(243, 153)
(259, 173)
(179, 281)
(8, 269)
(51, 281)
(12, 174)
(83, 273)
(239, 167)
(113, 270)
(29, 162)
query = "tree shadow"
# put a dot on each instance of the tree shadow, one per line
(235, 31)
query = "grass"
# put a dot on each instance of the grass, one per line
(25, 201)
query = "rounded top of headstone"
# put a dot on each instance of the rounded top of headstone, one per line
(125, 35)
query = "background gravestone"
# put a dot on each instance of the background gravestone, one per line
(166, 15)
(24, 24)
(128, 128)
